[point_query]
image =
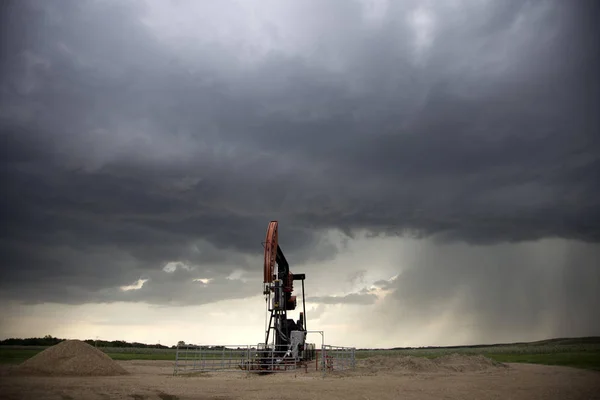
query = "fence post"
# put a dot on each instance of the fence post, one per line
(196, 355)
(247, 366)
(176, 360)
(202, 357)
(323, 360)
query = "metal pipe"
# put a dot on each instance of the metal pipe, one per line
(303, 305)
(268, 330)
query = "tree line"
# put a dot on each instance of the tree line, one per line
(49, 340)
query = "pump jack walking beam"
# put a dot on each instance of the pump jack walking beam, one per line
(288, 335)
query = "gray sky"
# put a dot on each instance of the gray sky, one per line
(433, 166)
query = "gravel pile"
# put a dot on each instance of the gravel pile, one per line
(464, 363)
(411, 364)
(71, 358)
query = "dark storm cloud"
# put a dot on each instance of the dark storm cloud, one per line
(123, 151)
(497, 293)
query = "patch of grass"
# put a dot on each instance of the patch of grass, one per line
(11, 355)
(143, 356)
(586, 360)
(578, 359)
(570, 353)
(16, 356)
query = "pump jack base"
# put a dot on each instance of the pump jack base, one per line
(262, 369)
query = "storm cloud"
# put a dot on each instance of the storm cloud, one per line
(142, 133)
(352, 298)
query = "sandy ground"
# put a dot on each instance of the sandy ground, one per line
(155, 380)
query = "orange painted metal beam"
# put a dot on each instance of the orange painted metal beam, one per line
(271, 243)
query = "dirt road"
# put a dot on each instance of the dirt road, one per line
(154, 380)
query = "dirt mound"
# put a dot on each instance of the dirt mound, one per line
(410, 364)
(464, 363)
(71, 357)
(404, 363)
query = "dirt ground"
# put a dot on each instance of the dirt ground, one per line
(155, 380)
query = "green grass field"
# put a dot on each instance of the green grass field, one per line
(579, 353)
(18, 354)
(577, 359)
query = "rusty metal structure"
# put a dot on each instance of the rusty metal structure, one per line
(285, 347)
(285, 338)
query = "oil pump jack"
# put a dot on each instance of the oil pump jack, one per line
(285, 339)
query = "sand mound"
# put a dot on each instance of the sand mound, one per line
(71, 357)
(410, 364)
(404, 363)
(464, 363)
